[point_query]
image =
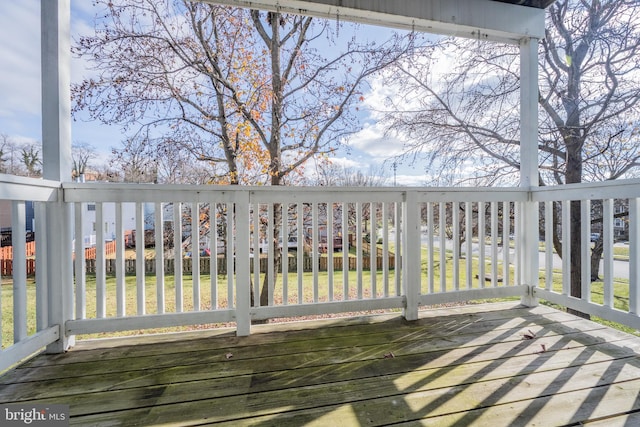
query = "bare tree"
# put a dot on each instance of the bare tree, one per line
(81, 154)
(224, 84)
(331, 174)
(31, 160)
(248, 91)
(136, 161)
(589, 90)
(6, 153)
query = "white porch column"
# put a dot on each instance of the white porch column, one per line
(56, 90)
(529, 161)
(55, 23)
(411, 255)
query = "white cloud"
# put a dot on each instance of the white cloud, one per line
(346, 162)
(373, 141)
(410, 180)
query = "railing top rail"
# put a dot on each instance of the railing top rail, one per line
(614, 189)
(149, 193)
(475, 194)
(128, 192)
(125, 192)
(24, 188)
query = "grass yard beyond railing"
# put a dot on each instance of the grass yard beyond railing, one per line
(621, 300)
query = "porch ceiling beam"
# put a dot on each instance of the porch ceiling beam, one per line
(478, 19)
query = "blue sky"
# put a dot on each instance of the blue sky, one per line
(20, 88)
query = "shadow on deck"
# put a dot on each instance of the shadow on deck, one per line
(491, 364)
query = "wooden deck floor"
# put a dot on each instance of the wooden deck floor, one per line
(462, 366)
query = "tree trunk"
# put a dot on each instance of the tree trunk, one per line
(274, 145)
(596, 254)
(574, 175)
(274, 248)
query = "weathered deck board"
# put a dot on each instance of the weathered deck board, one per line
(459, 366)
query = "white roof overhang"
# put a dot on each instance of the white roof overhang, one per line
(478, 19)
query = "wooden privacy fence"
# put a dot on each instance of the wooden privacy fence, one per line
(109, 250)
(205, 265)
(6, 252)
(6, 264)
(6, 259)
(6, 267)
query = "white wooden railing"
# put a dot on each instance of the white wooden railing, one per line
(27, 319)
(602, 205)
(391, 276)
(393, 248)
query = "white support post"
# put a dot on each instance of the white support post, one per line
(456, 245)
(482, 240)
(585, 249)
(494, 244)
(566, 249)
(177, 254)
(330, 249)
(284, 255)
(215, 300)
(411, 255)
(468, 257)
(80, 263)
(548, 238)
(141, 301)
(607, 236)
(159, 246)
(55, 23)
(373, 248)
(101, 267)
(60, 268)
(634, 255)
(529, 162)
(359, 241)
(18, 242)
(230, 254)
(398, 244)
(271, 271)
(42, 288)
(430, 245)
(506, 232)
(121, 298)
(56, 89)
(257, 229)
(300, 251)
(385, 248)
(443, 245)
(195, 255)
(243, 273)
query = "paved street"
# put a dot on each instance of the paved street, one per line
(620, 268)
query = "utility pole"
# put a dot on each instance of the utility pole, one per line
(395, 168)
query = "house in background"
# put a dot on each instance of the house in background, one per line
(5, 221)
